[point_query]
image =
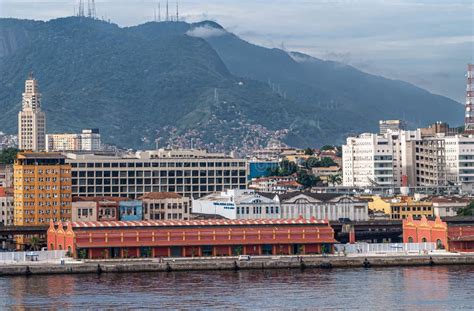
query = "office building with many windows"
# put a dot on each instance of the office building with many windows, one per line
(192, 173)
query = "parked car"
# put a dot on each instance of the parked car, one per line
(244, 257)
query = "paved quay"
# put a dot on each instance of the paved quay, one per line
(232, 263)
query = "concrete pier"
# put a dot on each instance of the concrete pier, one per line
(232, 263)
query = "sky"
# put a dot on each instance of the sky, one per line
(425, 42)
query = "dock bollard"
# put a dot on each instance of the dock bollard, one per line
(302, 264)
(236, 266)
(99, 269)
(168, 267)
(27, 271)
(366, 263)
(431, 263)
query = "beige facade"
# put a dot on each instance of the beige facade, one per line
(31, 120)
(88, 140)
(166, 206)
(84, 211)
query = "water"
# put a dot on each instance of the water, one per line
(414, 288)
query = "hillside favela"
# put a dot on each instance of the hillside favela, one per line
(299, 155)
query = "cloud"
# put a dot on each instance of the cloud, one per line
(206, 32)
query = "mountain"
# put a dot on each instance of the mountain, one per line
(195, 82)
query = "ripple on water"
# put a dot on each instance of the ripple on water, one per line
(414, 288)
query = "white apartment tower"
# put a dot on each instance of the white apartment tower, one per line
(380, 160)
(368, 161)
(31, 120)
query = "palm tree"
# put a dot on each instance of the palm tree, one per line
(34, 243)
(335, 179)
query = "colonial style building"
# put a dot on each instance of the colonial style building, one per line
(456, 234)
(322, 206)
(6, 206)
(239, 204)
(191, 238)
(165, 206)
(103, 208)
(275, 184)
(31, 119)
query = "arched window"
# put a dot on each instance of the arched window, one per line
(51, 247)
(423, 240)
(439, 244)
(410, 239)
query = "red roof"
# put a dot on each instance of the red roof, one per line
(203, 222)
(99, 199)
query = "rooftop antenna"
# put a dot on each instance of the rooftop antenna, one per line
(167, 15)
(177, 12)
(159, 11)
(89, 12)
(81, 9)
(93, 11)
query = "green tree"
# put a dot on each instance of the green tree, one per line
(467, 211)
(308, 151)
(34, 243)
(335, 179)
(284, 169)
(307, 180)
(8, 155)
(326, 162)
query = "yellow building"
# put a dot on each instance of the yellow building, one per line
(401, 207)
(42, 188)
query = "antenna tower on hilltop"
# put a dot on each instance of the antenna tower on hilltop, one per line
(177, 12)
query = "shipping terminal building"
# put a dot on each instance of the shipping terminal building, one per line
(191, 238)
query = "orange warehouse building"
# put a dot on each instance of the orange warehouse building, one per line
(456, 234)
(165, 238)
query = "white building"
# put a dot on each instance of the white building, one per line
(31, 120)
(275, 184)
(391, 125)
(368, 161)
(238, 204)
(395, 159)
(460, 161)
(328, 206)
(88, 140)
(449, 206)
(6, 207)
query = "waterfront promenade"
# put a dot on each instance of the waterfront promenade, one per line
(233, 263)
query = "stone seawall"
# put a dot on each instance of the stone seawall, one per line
(303, 262)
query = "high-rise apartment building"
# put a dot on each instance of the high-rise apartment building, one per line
(460, 161)
(392, 125)
(42, 188)
(191, 173)
(368, 160)
(31, 119)
(88, 140)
